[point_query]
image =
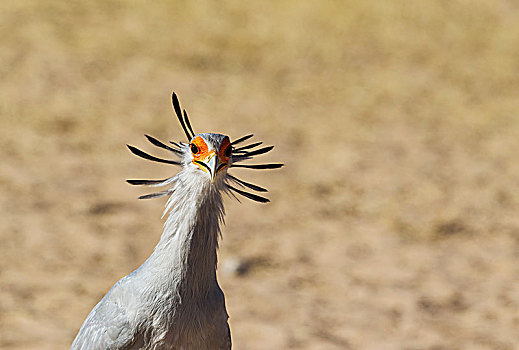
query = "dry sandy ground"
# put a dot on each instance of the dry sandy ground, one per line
(394, 224)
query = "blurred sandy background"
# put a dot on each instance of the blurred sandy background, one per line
(394, 224)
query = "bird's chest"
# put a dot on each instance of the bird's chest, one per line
(191, 323)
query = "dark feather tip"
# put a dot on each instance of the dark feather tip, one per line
(248, 184)
(160, 144)
(145, 155)
(186, 120)
(258, 166)
(252, 196)
(243, 148)
(241, 139)
(178, 111)
(176, 104)
(154, 195)
(257, 152)
(145, 182)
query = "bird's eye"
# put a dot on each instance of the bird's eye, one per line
(228, 151)
(194, 149)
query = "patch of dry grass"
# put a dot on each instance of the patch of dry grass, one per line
(393, 225)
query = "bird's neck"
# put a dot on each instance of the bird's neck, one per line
(185, 257)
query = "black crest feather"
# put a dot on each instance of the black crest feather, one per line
(145, 155)
(243, 148)
(178, 111)
(241, 139)
(257, 152)
(155, 195)
(252, 196)
(258, 166)
(160, 144)
(145, 182)
(248, 184)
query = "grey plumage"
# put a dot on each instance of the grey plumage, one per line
(173, 300)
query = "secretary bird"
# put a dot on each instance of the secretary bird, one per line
(173, 300)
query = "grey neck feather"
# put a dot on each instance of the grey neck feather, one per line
(185, 257)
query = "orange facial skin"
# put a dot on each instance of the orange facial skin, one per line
(203, 150)
(221, 154)
(204, 154)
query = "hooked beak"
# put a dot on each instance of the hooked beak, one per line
(211, 165)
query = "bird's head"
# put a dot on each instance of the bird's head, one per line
(207, 157)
